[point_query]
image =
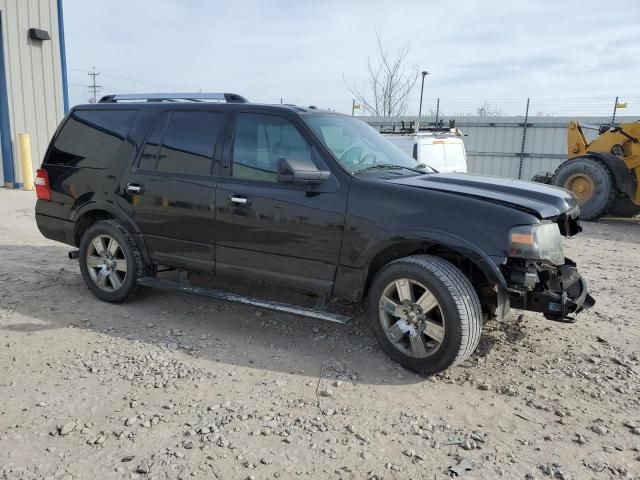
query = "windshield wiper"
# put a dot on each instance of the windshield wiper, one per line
(378, 166)
(423, 166)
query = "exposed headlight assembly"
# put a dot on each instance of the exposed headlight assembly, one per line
(541, 241)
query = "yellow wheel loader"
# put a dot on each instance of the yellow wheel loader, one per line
(604, 173)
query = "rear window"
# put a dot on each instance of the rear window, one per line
(91, 139)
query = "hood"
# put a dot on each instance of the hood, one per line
(543, 201)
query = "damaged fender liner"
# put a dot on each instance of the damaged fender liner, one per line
(569, 222)
(560, 294)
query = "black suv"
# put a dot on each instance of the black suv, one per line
(309, 199)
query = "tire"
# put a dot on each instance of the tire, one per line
(454, 325)
(98, 268)
(591, 181)
(623, 207)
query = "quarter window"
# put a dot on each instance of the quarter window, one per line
(91, 138)
(182, 142)
(260, 141)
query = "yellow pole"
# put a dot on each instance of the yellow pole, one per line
(24, 145)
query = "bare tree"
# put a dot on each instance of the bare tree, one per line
(433, 111)
(389, 84)
(487, 110)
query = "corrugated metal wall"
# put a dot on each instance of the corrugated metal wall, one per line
(494, 144)
(33, 71)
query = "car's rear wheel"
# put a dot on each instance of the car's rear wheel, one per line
(425, 313)
(110, 261)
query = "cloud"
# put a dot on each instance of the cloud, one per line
(300, 50)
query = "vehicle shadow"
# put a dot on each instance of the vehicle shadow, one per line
(46, 291)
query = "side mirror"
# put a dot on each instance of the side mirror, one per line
(292, 170)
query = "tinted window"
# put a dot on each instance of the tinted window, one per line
(149, 156)
(184, 145)
(261, 140)
(91, 139)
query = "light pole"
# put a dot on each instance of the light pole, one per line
(424, 74)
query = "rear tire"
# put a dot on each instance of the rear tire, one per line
(592, 183)
(110, 261)
(425, 313)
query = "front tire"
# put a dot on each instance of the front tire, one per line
(425, 313)
(110, 261)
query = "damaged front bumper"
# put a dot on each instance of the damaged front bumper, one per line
(557, 291)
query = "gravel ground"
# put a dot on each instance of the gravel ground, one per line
(170, 386)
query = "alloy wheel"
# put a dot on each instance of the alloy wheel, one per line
(411, 318)
(106, 263)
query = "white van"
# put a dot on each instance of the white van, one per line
(442, 149)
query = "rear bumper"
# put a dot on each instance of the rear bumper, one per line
(560, 293)
(57, 229)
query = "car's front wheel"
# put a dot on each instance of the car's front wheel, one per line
(110, 261)
(425, 313)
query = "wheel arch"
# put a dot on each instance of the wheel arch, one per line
(477, 266)
(93, 212)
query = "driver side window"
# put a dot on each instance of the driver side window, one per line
(260, 141)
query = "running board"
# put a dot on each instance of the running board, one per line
(183, 287)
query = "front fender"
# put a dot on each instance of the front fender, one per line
(438, 237)
(625, 178)
(352, 282)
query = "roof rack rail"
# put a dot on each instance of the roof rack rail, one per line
(410, 127)
(175, 97)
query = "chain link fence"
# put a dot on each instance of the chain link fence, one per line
(514, 147)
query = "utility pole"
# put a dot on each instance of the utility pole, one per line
(93, 88)
(424, 74)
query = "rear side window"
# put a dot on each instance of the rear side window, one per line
(91, 138)
(182, 142)
(149, 155)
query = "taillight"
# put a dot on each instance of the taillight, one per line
(43, 192)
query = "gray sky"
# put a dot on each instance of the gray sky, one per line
(571, 57)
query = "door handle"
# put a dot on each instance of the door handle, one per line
(239, 200)
(135, 188)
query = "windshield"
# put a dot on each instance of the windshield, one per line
(357, 146)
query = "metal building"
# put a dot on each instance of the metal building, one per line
(33, 84)
(510, 146)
